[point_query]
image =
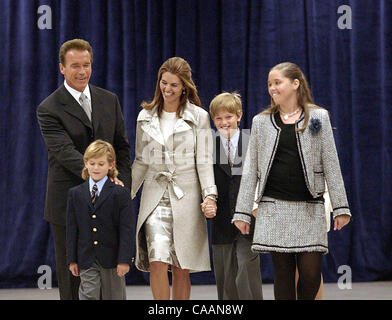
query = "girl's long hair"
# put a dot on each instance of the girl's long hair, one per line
(304, 96)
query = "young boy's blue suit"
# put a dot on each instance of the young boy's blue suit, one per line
(103, 232)
(236, 267)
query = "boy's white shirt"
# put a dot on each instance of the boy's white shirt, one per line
(234, 144)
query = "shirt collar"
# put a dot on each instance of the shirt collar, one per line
(190, 113)
(75, 93)
(99, 184)
(233, 140)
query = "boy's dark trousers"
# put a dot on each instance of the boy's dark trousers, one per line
(101, 283)
(236, 267)
(237, 271)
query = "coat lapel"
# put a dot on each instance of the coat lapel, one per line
(87, 194)
(151, 125)
(304, 142)
(97, 107)
(221, 157)
(181, 126)
(242, 147)
(72, 107)
(107, 189)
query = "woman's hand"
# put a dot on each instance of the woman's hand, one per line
(209, 208)
(341, 221)
(242, 226)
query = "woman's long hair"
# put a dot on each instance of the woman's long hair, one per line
(182, 70)
(304, 96)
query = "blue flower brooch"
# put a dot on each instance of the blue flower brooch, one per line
(314, 126)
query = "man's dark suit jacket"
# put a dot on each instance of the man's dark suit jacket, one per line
(67, 132)
(228, 182)
(104, 231)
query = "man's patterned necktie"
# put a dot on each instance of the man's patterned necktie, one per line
(85, 103)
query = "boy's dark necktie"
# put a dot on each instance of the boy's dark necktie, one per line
(94, 194)
(229, 152)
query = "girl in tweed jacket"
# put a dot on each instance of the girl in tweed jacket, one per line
(291, 153)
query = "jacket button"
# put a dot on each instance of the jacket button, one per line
(95, 242)
(95, 229)
(93, 216)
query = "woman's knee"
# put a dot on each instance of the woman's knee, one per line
(180, 273)
(158, 266)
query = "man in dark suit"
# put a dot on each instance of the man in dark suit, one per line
(70, 119)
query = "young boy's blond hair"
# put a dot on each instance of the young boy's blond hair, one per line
(231, 102)
(97, 149)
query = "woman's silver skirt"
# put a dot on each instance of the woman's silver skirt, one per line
(158, 229)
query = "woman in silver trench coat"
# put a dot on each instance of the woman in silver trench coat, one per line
(174, 161)
(291, 153)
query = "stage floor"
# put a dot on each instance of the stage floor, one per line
(359, 291)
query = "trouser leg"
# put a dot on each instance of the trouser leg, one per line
(90, 283)
(248, 280)
(67, 283)
(225, 270)
(113, 286)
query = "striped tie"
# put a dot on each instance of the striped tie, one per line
(94, 194)
(229, 152)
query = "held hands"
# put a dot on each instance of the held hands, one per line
(122, 269)
(208, 207)
(341, 221)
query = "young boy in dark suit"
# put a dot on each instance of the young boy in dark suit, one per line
(236, 267)
(100, 227)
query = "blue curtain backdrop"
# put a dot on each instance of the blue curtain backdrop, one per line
(230, 45)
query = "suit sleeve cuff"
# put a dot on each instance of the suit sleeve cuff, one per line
(242, 217)
(210, 190)
(341, 211)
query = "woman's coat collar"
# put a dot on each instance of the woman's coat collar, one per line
(151, 124)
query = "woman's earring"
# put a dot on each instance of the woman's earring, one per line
(183, 91)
